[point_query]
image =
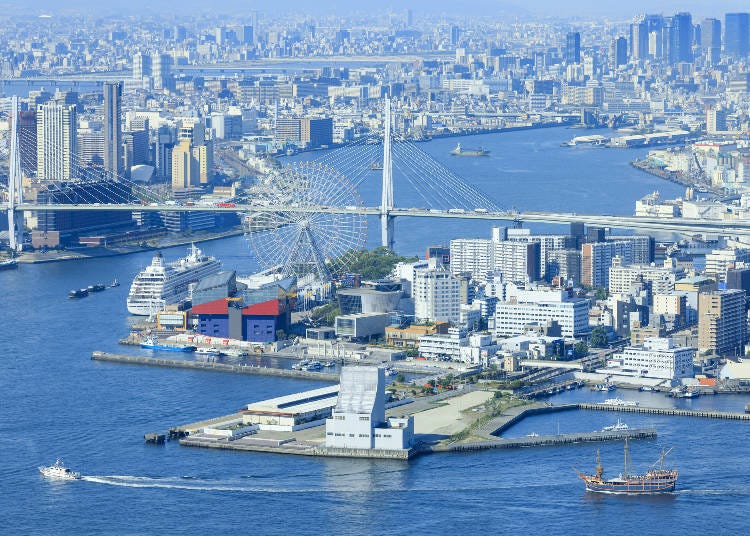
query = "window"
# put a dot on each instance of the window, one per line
(364, 418)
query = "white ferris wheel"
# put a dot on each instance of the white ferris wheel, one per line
(307, 240)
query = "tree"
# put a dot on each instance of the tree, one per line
(598, 337)
(600, 293)
(580, 349)
(377, 263)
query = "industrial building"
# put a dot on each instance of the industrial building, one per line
(358, 420)
(292, 412)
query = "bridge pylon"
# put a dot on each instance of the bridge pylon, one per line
(386, 200)
(15, 184)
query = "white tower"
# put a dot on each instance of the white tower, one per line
(386, 202)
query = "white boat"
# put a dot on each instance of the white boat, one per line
(620, 402)
(235, 352)
(59, 472)
(619, 426)
(161, 284)
(208, 351)
(314, 365)
(301, 365)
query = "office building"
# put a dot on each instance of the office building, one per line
(573, 48)
(27, 146)
(711, 40)
(618, 54)
(639, 40)
(528, 308)
(722, 322)
(681, 38)
(622, 278)
(141, 66)
(113, 162)
(161, 70)
(316, 132)
(472, 255)
(547, 244)
(185, 169)
(56, 139)
(564, 264)
(716, 120)
(719, 261)
(657, 358)
(737, 34)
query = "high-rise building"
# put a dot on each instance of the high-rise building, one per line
(185, 169)
(437, 294)
(27, 140)
(316, 132)
(711, 39)
(639, 40)
(455, 35)
(737, 34)
(716, 119)
(722, 322)
(112, 128)
(161, 70)
(56, 141)
(596, 260)
(573, 48)
(540, 307)
(141, 66)
(618, 54)
(681, 38)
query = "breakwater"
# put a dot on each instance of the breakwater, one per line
(547, 440)
(212, 366)
(663, 411)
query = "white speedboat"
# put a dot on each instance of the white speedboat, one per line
(208, 351)
(619, 426)
(59, 472)
(620, 402)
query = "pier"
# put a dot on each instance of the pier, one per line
(212, 366)
(664, 411)
(547, 440)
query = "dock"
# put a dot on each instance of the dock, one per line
(212, 366)
(674, 412)
(547, 440)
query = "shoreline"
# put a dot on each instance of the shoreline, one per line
(101, 252)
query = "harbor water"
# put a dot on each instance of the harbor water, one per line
(56, 402)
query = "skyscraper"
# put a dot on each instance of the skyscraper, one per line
(639, 40)
(737, 34)
(722, 323)
(55, 141)
(711, 39)
(141, 66)
(681, 38)
(573, 48)
(112, 128)
(618, 54)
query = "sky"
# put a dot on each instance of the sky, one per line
(493, 8)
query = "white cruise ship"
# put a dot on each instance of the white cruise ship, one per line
(162, 284)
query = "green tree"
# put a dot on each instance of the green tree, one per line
(598, 337)
(580, 349)
(600, 293)
(375, 264)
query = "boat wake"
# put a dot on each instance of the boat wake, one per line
(186, 483)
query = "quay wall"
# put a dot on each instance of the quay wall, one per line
(668, 411)
(212, 366)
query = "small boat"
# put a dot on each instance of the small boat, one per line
(460, 151)
(114, 283)
(152, 343)
(208, 351)
(59, 472)
(659, 480)
(619, 426)
(235, 352)
(313, 365)
(686, 393)
(646, 388)
(532, 434)
(97, 288)
(301, 365)
(80, 293)
(8, 264)
(604, 387)
(329, 364)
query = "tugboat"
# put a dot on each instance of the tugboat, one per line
(59, 472)
(659, 480)
(114, 283)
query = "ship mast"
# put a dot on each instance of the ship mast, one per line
(599, 468)
(627, 454)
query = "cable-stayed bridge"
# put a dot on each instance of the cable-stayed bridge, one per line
(312, 211)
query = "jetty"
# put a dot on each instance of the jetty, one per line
(674, 412)
(547, 440)
(212, 366)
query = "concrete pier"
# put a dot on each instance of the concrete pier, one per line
(663, 411)
(547, 440)
(212, 366)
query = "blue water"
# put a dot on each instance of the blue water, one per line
(56, 402)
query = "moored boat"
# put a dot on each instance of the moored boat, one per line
(659, 480)
(619, 426)
(620, 402)
(152, 343)
(58, 471)
(208, 351)
(8, 264)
